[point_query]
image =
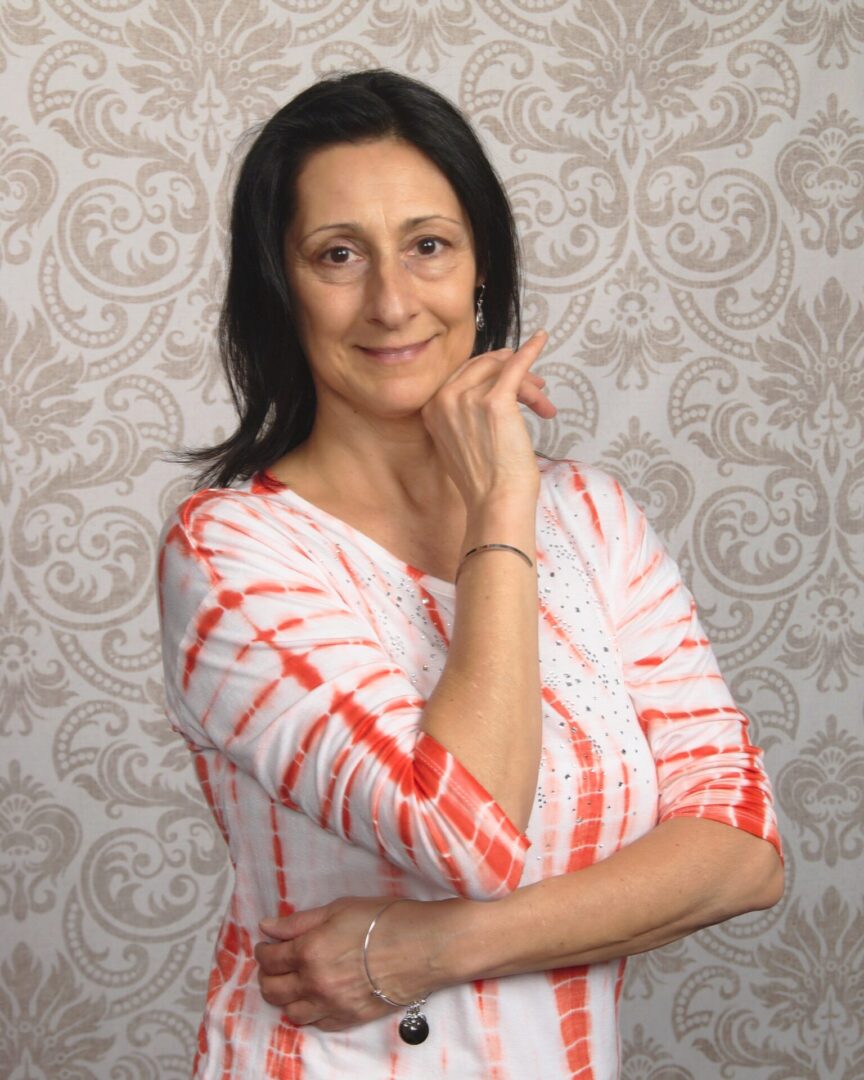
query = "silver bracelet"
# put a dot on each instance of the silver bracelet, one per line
(414, 1027)
(491, 547)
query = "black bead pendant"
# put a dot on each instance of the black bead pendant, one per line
(414, 1028)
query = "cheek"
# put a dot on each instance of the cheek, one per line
(319, 315)
(467, 316)
(456, 301)
(312, 334)
(462, 334)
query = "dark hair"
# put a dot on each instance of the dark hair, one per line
(267, 371)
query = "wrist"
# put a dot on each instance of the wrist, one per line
(504, 501)
(502, 521)
(420, 947)
(455, 942)
(482, 548)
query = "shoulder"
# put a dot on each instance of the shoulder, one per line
(255, 505)
(583, 489)
(211, 509)
(600, 520)
(578, 474)
(249, 522)
(246, 540)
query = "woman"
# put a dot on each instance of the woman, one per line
(411, 659)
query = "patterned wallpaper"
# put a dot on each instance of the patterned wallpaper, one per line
(689, 184)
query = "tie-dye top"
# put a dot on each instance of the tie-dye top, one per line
(298, 657)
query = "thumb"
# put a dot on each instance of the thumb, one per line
(295, 925)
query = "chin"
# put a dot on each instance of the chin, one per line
(400, 410)
(404, 397)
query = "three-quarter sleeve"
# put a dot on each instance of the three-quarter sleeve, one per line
(266, 663)
(706, 765)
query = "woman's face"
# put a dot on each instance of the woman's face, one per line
(380, 263)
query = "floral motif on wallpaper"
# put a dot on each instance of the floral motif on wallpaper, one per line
(834, 30)
(821, 791)
(39, 840)
(821, 173)
(31, 685)
(48, 1022)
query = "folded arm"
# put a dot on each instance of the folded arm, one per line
(684, 875)
(715, 852)
(267, 664)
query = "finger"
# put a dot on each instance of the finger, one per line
(292, 926)
(504, 369)
(531, 388)
(538, 403)
(535, 380)
(516, 368)
(304, 1012)
(478, 369)
(280, 989)
(276, 958)
(487, 367)
(532, 382)
(502, 355)
(531, 393)
(330, 1023)
(543, 408)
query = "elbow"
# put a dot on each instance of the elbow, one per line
(457, 828)
(773, 882)
(760, 879)
(487, 869)
(496, 889)
(743, 872)
(494, 878)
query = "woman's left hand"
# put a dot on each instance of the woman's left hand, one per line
(314, 969)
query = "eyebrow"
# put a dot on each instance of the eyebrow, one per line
(406, 226)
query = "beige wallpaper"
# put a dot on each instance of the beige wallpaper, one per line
(689, 183)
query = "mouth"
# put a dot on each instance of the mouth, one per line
(395, 354)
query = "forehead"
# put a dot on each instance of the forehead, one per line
(381, 178)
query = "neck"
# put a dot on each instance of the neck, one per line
(375, 461)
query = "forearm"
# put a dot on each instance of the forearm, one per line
(684, 875)
(486, 707)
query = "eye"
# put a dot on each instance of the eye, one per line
(429, 245)
(340, 254)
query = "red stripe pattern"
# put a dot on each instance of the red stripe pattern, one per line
(299, 655)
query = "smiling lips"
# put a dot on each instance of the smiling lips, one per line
(399, 355)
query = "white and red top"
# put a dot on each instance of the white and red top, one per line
(298, 657)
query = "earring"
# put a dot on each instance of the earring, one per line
(479, 317)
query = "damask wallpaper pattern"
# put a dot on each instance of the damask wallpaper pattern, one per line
(689, 184)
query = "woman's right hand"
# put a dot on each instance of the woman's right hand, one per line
(477, 428)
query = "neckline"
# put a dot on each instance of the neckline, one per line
(337, 524)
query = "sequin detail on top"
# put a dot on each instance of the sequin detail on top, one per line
(299, 655)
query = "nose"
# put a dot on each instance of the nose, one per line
(391, 294)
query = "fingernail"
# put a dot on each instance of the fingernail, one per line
(267, 925)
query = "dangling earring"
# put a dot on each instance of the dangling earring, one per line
(479, 317)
